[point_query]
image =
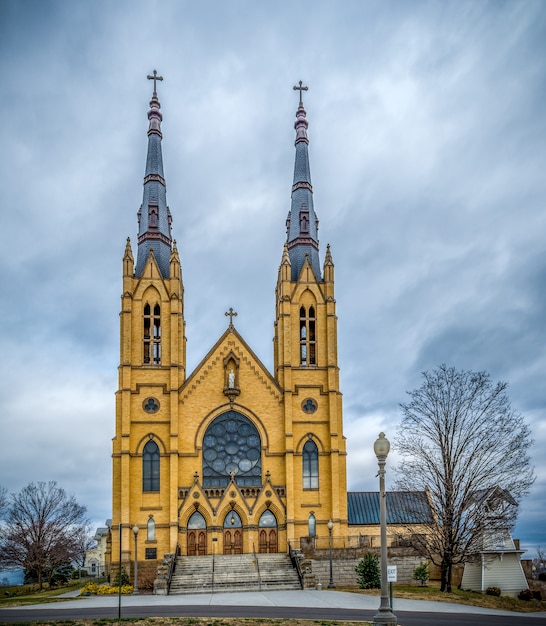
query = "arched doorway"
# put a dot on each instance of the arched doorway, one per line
(197, 535)
(233, 533)
(267, 533)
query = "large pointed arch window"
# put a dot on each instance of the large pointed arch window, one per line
(152, 334)
(308, 345)
(150, 467)
(310, 465)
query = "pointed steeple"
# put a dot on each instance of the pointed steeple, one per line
(302, 222)
(154, 217)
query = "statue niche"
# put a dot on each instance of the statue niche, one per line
(231, 377)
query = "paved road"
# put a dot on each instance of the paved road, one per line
(309, 604)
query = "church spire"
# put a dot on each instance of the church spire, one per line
(302, 222)
(154, 217)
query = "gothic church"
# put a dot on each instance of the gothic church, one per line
(229, 458)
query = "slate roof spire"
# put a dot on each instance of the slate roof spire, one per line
(154, 217)
(302, 222)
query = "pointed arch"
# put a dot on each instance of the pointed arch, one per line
(151, 467)
(268, 534)
(197, 534)
(150, 529)
(308, 330)
(312, 525)
(310, 465)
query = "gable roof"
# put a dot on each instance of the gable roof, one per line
(403, 507)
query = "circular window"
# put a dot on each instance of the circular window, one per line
(151, 405)
(309, 405)
(232, 447)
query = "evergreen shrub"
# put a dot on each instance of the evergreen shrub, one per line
(368, 572)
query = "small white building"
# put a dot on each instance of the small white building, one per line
(498, 562)
(95, 557)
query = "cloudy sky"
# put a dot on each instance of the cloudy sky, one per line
(428, 157)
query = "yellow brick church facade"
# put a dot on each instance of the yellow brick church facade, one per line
(229, 458)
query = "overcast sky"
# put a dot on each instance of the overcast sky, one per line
(427, 130)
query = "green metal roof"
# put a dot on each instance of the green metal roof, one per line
(403, 507)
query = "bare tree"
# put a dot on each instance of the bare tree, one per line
(461, 441)
(43, 530)
(539, 561)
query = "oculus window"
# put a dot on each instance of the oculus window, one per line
(232, 447)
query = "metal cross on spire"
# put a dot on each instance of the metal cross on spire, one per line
(155, 78)
(231, 314)
(300, 89)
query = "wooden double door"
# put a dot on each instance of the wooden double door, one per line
(233, 541)
(197, 542)
(267, 541)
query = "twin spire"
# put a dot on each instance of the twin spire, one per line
(154, 217)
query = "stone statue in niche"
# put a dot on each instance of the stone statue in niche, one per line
(231, 379)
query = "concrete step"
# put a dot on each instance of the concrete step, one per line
(241, 572)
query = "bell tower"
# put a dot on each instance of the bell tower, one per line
(152, 367)
(305, 362)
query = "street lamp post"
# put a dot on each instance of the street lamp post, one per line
(135, 533)
(385, 616)
(331, 583)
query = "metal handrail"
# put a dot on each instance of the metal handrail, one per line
(295, 563)
(213, 569)
(172, 567)
(257, 566)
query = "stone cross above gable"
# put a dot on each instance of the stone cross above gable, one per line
(300, 89)
(155, 78)
(231, 314)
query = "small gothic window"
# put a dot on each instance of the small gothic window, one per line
(152, 216)
(151, 529)
(150, 467)
(312, 525)
(310, 465)
(304, 222)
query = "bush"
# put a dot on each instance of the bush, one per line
(421, 573)
(493, 591)
(537, 595)
(526, 595)
(368, 572)
(104, 590)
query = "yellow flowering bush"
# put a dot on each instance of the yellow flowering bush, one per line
(104, 590)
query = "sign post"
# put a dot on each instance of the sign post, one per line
(391, 578)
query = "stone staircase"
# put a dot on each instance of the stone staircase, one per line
(241, 572)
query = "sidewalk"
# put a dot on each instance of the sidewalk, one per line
(307, 598)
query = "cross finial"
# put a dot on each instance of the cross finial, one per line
(231, 314)
(300, 89)
(155, 78)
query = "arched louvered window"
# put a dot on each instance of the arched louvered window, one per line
(152, 334)
(310, 465)
(308, 346)
(150, 467)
